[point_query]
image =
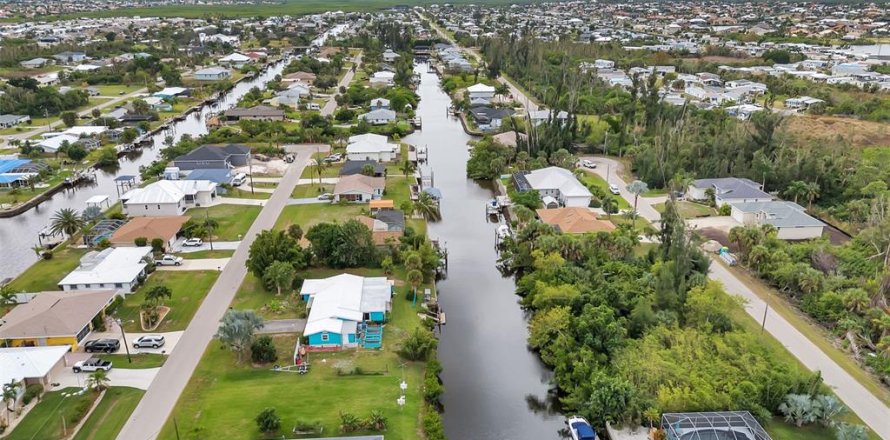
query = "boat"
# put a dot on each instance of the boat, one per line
(492, 208)
(580, 428)
(503, 231)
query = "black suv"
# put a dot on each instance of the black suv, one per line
(102, 345)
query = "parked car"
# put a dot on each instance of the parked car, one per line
(153, 341)
(588, 164)
(333, 158)
(169, 260)
(613, 188)
(91, 364)
(325, 196)
(102, 345)
(193, 242)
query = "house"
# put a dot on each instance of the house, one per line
(214, 157)
(55, 318)
(150, 228)
(743, 112)
(171, 92)
(389, 56)
(52, 145)
(17, 172)
(359, 188)
(290, 97)
(32, 365)
(221, 176)
(382, 79)
(509, 138)
(117, 269)
(728, 190)
(258, 113)
(481, 91)
(371, 147)
(213, 74)
(168, 197)
(343, 310)
(790, 219)
(489, 118)
(574, 220)
(351, 167)
(802, 103)
(379, 117)
(379, 104)
(304, 77)
(235, 60)
(555, 182)
(7, 121)
(49, 79)
(386, 225)
(35, 63)
(538, 117)
(603, 64)
(69, 57)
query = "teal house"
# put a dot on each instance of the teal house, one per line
(346, 311)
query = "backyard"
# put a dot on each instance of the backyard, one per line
(189, 289)
(689, 209)
(45, 275)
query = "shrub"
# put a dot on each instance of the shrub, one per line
(349, 422)
(725, 210)
(141, 241)
(32, 391)
(432, 388)
(432, 424)
(419, 345)
(268, 421)
(157, 244)
(48, 255)
(263, 350)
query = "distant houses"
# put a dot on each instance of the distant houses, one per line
(258, 113)
(214, 157)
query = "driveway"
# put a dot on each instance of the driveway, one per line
(327, 180)
(722, 223)
(307, 201)
(238, 201)
(117, 377)
(171, 339)
(608, 170)
(199, 264)
(217, 245)
(283, 326)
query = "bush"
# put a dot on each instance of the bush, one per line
(268, 421)
(419, 345)
(48, 255)
(725, 210)
(32, 391)
(263, 350)
(141, 241)
(432, 424)
(157, 244)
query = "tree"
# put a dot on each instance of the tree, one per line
(157, 293)
(367, 170)
(98, 380)
(812, 192)
(406, 167)
(343, 245)
(295, 232)
(796, 190)
(427, 206)
(849, 431)
(531, 199)
(67, 221)
(610, 205)
(129, 135)
(637, 187)
(798, 409)
(238, 328)
(263, 350)
(414, 278)
(268, 421)
(10, 393)
(271, 246)
(419, 345)
(76, 152)
(829, 409)
(69, 118)
(280, 274)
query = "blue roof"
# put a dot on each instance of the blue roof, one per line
(434, 192)
(584, 431)
(10, 164)
(217, 175)
(8, 179)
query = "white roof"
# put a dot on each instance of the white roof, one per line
(20, 363)
(170, 91)
(87, 130)
(480, 88)
(237, 57)
(97, 199)
(383, 75)
(369, 147)
(86, 67)
(54, 143)
(340, 301)
(167, 191)
(112, 265)
(557, 178)
(369, 137)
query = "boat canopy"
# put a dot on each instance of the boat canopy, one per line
(585, 431)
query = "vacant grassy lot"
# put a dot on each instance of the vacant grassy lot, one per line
(689, 209)
(206, 254)
(330, 170)
(116, 89)
(46, 274)
(111, 414)
(234, 220)
(267, 303)
(809, 129)
(189, 289)
(397, 189)
(45, 420)
(310, 190)
(308, 215)
(246, 194)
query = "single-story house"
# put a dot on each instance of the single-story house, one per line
(32, 365)
(371, 147)
(790, 219)
(118, 269)
(555, 182)
(386, 224)
(235, 60)
(221, 176)
(290, 97)
(743, 112)
(69, 57)
(258, 112)
(481, 91)
(359, 188)
(168, 197)
(574, 220)
(52, 145)
(538, 117)
(7, 121)
(379, 104)
(389, 56)
(728, 190)
(35, 63)
(165, 228)
(214, 157)
(306, 77)
(213, 74)
(509, 138)
(802, 103)
(172, 92)
(55, 318)
(16, 172)
(382, 78)
(489, 118)
(342, 307)
(351, 167)
(379, 117)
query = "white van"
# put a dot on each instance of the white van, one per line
(239, 179)
(313, 106)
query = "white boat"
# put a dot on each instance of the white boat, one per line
(580, 428)
(503, 231)
(492, 208)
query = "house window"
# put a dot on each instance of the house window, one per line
(146, 207)
(325, 337)
(159, 206)
(119, 285)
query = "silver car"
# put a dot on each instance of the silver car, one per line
(153, 341)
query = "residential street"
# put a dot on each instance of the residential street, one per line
(869, 408)
(160, 398)
(331, 104)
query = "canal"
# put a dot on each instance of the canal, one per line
(495, 388)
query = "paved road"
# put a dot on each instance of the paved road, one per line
(156, 406)
(869, 408)
(331, 104)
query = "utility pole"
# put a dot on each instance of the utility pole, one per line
(250, 168)
(124, 337)
(765, 310)
(207, 228)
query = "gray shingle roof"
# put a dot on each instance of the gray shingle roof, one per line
(733, 188)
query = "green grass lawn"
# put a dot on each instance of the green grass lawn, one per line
(21, 195)
(46, 274)
(779, 429)
(246, 194)
(140, 360)
(206, 254)
(115, 89)
(308, 215)
(253, 296)
(111, 414)
(234, 220)
(591, 179)
(397, 189)
(214, 404)
(44, 421)
(189, 289)
(332, 170)
(311, 190)
(689, 209)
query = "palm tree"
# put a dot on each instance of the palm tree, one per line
(156, 294)
(320, 166)
(67, 221)
(609, 205)
(811, 193)
(427, 206)
(796, 189)
(98, 380)
(414, 278)
(10, 393)
(637, 187)
(406, 168)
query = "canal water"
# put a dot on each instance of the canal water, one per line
(495, 388)
(18, 234)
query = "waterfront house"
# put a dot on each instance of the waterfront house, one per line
(168, 197)
(558, 183)
(386, 225)
(214, 157)
(345, 309)
(213, 74)
(118, 269)
(257, 113)
(55, 318)
(52, 144)
(17, 172)
(351, 167)
(389, 56)
(481, 91)
(574, 220)
(371, 146)
(359, 188)
(379, 117)
(169, 93)
(489, 118)
(379, 104)
(235, 60)
(382, 79)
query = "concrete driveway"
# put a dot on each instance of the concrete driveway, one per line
(170, 338)
(217, 245)
(200, 264)
(283, 326)
(307, 201)
(325, 180)
(118, 377)
(722, 223)
(238, 201)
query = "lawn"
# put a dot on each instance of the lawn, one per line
(111, 414)
(397, 189)
(189, 289)
(779, 429)
(115, 90)
(141, 361)
(253, 296)
(310, 190)
(308, 215)
(214, 404)
(46, 274)
(234, 220)
(689, 209)
(591, 179)
(21, 195)
(246, 194)
(200, 255)
(331, 170)
(44, 421)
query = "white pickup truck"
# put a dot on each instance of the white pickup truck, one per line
(169, 260)
(92, 364)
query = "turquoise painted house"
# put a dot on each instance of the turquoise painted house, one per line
(346, 311)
